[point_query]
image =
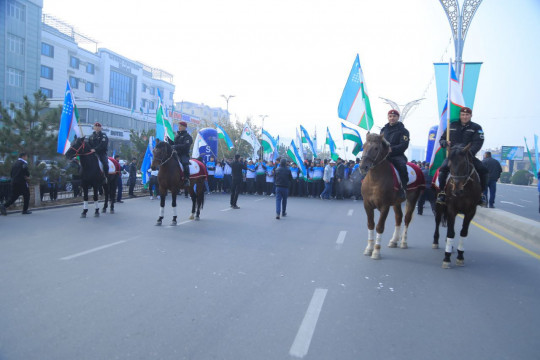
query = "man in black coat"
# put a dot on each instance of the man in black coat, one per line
(99, 142)
(494, 173)
(395, 133)
(182, 145)
(463, 133)
(132, 177)
(237, 166)
(19, 184)
(282, 179)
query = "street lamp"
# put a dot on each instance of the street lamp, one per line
(406, 108)
(227, 98)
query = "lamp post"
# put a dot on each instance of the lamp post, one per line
(406, 108)
(262, 127)
(459, 23)
(227, 98)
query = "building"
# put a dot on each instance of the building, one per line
(198, 113)
(20, 27)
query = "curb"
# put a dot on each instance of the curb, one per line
(516, 225)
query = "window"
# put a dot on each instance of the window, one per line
(47, 50)
(15, 77)
(47, 72)
(74, 62)
(46, 92)
(16, 10)
(74, 82)
(90, 68)
(143, 103)
(15, 44)
(151, 105)
(89, 87)
(143, 87)
(152, 91)
(170, 96)
(121, 89)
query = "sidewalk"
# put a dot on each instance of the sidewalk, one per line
(525, 228)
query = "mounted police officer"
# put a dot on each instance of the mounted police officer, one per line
(99, 143)
(395, 133)
(463, 133)
(182, 145)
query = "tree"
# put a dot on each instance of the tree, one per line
(33, 129)
(139, 143)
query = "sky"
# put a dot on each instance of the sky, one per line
(290, 59)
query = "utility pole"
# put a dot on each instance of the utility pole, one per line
(227, 98)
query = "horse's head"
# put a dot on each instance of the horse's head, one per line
(162, 152)
(461, 168)
(76, 148)
(376, 150)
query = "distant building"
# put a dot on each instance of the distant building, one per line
(417, 153)
(197, 113)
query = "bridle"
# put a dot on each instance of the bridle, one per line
(373, 163)
(469, 173)
(161, 161)
(78, 149)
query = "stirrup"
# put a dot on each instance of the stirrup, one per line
(441, 198)
(483, 201)
(186, 182)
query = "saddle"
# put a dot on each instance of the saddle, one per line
(416, 177)
(196, 169)
(114, 166)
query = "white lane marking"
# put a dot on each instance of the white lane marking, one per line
(341, 239)
(227, 209)
(350, 212)
(511, 203)
(185, 222)
(93, 250)
(302, 341)
(526, 200)
(261, 199)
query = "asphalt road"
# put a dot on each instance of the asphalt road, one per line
(518, 199)
(240, 284)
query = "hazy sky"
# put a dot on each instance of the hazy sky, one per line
(290, 59)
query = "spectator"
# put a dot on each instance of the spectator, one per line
(236, 173)
(251, 175)
(119, 179)
(20, 176)
(260, 176)
(494, 173)
(340, 177)
(218, 177)
(283, 177)
(211, 168)
(269, 178)
(227, 176)
(132, 177)
(153, 185)
(429, 192)
(293, 188)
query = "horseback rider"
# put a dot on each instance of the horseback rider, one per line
(395, 133)
(463, 133)
(99, 142)
(182, 145)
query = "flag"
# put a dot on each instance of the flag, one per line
(307, 140)
(268, 142)
(315, 138)
(69, 127)
(354, 105)
(276, 150)
(250, 137)
(300, 146)
(456, 102)
(530, 157)
(293, 153)
(354, 136)
(197, 144)
(536, 153)
(148, 157)
(223, 135)
(431, 142)
(163, 125)
(331, 144)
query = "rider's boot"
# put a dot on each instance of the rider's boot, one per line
(441, 198)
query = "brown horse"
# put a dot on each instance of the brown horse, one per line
(463, 191)
(171, 178)
(379, 193)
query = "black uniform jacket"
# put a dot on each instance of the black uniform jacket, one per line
(471, 133)
(397, 136)
(99, 142)
(283, 176)
(18, 172)
(182, 143)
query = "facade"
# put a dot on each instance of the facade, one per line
(20, 31)
(196, 113)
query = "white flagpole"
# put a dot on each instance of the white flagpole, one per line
(448, 106)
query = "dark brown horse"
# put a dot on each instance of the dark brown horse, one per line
(463, 191)
(171, 178)
(379, 193)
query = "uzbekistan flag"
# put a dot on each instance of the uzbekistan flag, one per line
(354, 136)
(69, 127)
(292, 151)
(268, 142)
(354, 105)
(332, 145)
(307, 140)
(221, 134)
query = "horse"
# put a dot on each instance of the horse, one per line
(92, 176)
(171, 178)
(380, 192)
(463, 193)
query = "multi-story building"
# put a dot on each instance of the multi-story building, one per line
(200, 112)
(20, 31)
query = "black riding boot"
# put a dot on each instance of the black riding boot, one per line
(441, 198)
(403, 191)
(484, 184)
(186, 174)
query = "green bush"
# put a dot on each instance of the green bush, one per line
(521, 177)
(505, 177)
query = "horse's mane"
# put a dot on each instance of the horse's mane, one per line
(457, 150)
(372, 137)
(164, 145)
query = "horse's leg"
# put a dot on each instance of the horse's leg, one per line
(451, 220)
(398, 214)
(85, 201)
(175, 214)
(106, 196)
(112, 192)
(438, 215)
(162, 195)
(409, 211)
(370, 212)
(380, 230)
(96, 200)
(193, 196)
(200, 202)
(460, 261)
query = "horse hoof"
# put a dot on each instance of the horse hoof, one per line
(83, 216)
(446, 265)
(158, 223)
(392, 244)
(434, 246)
(460, 262)
(173, 223)
(96, 215)
(404, 245)
(368, 252)
(191, 217)
(376, 256)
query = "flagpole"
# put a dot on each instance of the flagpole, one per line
(448, 106)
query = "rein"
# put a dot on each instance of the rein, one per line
(79, 148)
(469, 175)
(161, 162)
(373, 163)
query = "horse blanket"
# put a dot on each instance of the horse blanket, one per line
(416, 177)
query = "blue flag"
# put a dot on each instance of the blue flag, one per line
(68, 122)
(147, 161)
(307, 139)
(222, 134)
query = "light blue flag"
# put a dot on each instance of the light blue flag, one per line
(147, 161)
(222, 134)
(276, 150)
(536, 153)
(470, 73)
(332, 145)
(306, 139)
(295, 156)
(68, 122)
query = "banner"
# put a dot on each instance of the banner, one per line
(431, 142)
